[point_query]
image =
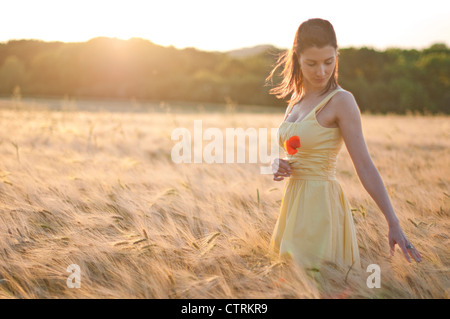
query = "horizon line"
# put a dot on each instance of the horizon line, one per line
(374, 47)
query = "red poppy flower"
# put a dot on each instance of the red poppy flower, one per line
(292, 144)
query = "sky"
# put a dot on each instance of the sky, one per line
(212, 25)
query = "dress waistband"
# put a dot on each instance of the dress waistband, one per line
(313, 177)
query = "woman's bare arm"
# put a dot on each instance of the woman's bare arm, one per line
(348, 118)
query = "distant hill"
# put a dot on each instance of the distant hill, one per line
(249, 51)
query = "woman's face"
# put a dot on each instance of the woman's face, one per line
(317, 66)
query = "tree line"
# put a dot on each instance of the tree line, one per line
(394, 80)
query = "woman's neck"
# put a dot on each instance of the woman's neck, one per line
(310, 91)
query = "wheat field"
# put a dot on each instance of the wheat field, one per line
(99, 190)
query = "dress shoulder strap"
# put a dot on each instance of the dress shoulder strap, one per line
(319, 107)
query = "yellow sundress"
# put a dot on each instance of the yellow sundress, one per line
(315, 222)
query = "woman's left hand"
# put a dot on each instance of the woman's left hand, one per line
(396, 236)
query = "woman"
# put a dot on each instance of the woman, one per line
(315, 222)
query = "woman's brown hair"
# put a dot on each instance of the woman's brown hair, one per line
(311, 33)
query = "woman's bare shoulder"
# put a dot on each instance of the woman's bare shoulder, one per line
(344, 96)
(344, 102)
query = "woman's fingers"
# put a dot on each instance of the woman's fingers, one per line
(392, 247)
(405, 251)
(408, 250)
(413, 252)
(281, 167)
(285, 165)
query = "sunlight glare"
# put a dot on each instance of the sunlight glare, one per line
(212, 25)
